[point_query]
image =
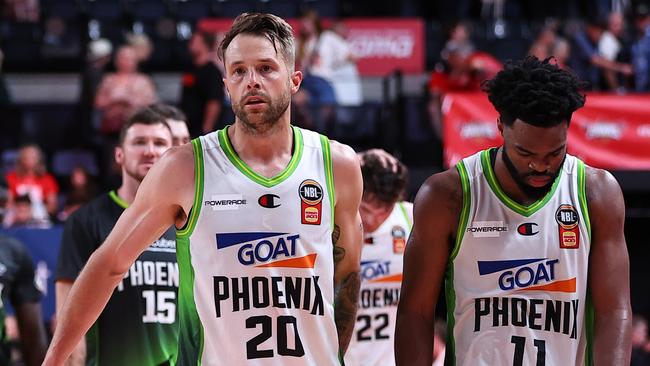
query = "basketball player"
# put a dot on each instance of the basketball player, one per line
(269, 235)
(386, 225)
(528, 238)
(176, 120)
(138, 325)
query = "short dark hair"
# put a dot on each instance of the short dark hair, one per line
(536, 92)
(169, 112)
(272, 27)
(142, 116)
(23, 198)
(384, 177)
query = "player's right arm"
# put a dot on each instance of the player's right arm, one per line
(163, 199)
(436, 210)
(62, 290)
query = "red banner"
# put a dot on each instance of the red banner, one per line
(381, 45)
(610, 131)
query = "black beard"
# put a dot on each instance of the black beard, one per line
(535, 193)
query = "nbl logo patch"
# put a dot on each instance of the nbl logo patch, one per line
(568, 230)
(311, 205)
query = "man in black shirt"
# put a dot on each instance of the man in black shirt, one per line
(17, 287)
(137, 327)
(202, 97)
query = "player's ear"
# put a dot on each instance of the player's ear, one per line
(500, 126)
(119, 155)
(296, 80)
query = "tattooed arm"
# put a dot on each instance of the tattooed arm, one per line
(347, 240)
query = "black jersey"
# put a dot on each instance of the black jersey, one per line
(138, 325)
(16, 284)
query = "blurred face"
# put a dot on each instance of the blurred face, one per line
(373, 213)
(534, 155)
(22, 213)
(126, 60)
(640, 334)
(143, 146)
(197, 46)
(259, 82)
(29, 158)
(180, 133)
(616, 23)
(78, 178)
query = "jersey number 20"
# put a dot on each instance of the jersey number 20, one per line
(283, 322)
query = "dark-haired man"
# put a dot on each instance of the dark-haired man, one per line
(202, 96)
(176, 120)
(528, 239)
(387, 223)
(138, 325)
(269, 234)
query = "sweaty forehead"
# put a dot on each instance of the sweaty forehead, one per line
(247, 47)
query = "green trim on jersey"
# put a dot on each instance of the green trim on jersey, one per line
(193, 216)
(582, 196)
(329, 172)
(118, 201)
(464, 212)
(450, 292)
(191, 334)
(406, 215)
(224, 141)
(503, 197)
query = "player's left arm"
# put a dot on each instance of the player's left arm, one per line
(609, 280)
(32, 333)
(347, 240)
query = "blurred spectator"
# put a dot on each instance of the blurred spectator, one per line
(542, 47)
(561, 52)
(21, 10)
(640, 343)
(5, 99)
(176, 120)
(463, 70)
(99, 55)
(22, 214)
(122, 92)
(316, 93)
(31, 178)
(609, 45)
(641, 49)
(81, 184)
(203, 89)
(143, 49)
(590, 65)
(336, 63)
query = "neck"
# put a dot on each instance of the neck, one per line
(129, 188)
(508, 183)
(263, 147)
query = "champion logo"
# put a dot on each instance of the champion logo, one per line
(269, 201)
(528, 229)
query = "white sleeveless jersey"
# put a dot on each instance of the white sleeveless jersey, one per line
(381, 280)
(256, 259)
(516, 284)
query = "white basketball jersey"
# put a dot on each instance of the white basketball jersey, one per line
(256, 259)
(516, 284)
(381, 280)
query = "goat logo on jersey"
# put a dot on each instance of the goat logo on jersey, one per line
(568, 230)
(266, 249)
(535, 274)
(311, 197)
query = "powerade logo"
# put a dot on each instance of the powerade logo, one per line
(537, 274)
(378, 271)
(264, 249)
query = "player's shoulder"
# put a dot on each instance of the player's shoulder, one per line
(343, 155)
(440, 194)
(602, 189)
